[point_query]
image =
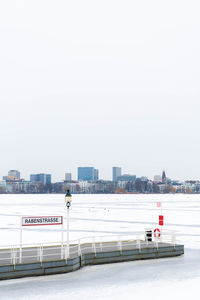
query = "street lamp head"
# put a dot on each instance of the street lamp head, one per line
(68, 198)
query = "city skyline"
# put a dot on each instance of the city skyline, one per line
(89, 182)
(117, 174)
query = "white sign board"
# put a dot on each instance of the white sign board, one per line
(47, 220)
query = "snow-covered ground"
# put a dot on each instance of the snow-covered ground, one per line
(106, 215)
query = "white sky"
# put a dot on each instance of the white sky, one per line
(100, 83)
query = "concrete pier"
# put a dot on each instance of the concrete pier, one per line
(34, 261)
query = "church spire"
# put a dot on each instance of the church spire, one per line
(164, 176)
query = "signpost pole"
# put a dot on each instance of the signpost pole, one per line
(20, 242)
(62, 241)
(67, 232)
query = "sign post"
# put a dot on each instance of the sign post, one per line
(62, 242)
(161, 217)
(20, 243)
(38, 221)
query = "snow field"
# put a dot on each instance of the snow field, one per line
(107, 215)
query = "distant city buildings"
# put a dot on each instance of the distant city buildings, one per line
(13, 175)
(3, 187)
(157, 178)
(117, 172)
(118, 176)
(96, 174)
(68, 176)
(126, 177)
(42, 178)
(164, 178)
(88, 182)
(88, 174)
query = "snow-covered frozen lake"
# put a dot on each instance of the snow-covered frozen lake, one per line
(107, 215)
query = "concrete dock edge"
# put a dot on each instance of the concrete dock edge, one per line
(65, 266)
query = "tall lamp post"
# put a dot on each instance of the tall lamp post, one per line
(68, 200)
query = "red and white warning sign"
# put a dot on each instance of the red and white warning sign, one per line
(161, 220)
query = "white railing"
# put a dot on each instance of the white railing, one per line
(54, 251)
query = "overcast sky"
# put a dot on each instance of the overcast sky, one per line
(100, 83)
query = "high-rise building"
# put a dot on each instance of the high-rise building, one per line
(43, 178)
(87, 173)
(14, 174)
(96, 174)
(68, 176)
(116, 173)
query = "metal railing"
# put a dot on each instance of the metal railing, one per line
(94, 244)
